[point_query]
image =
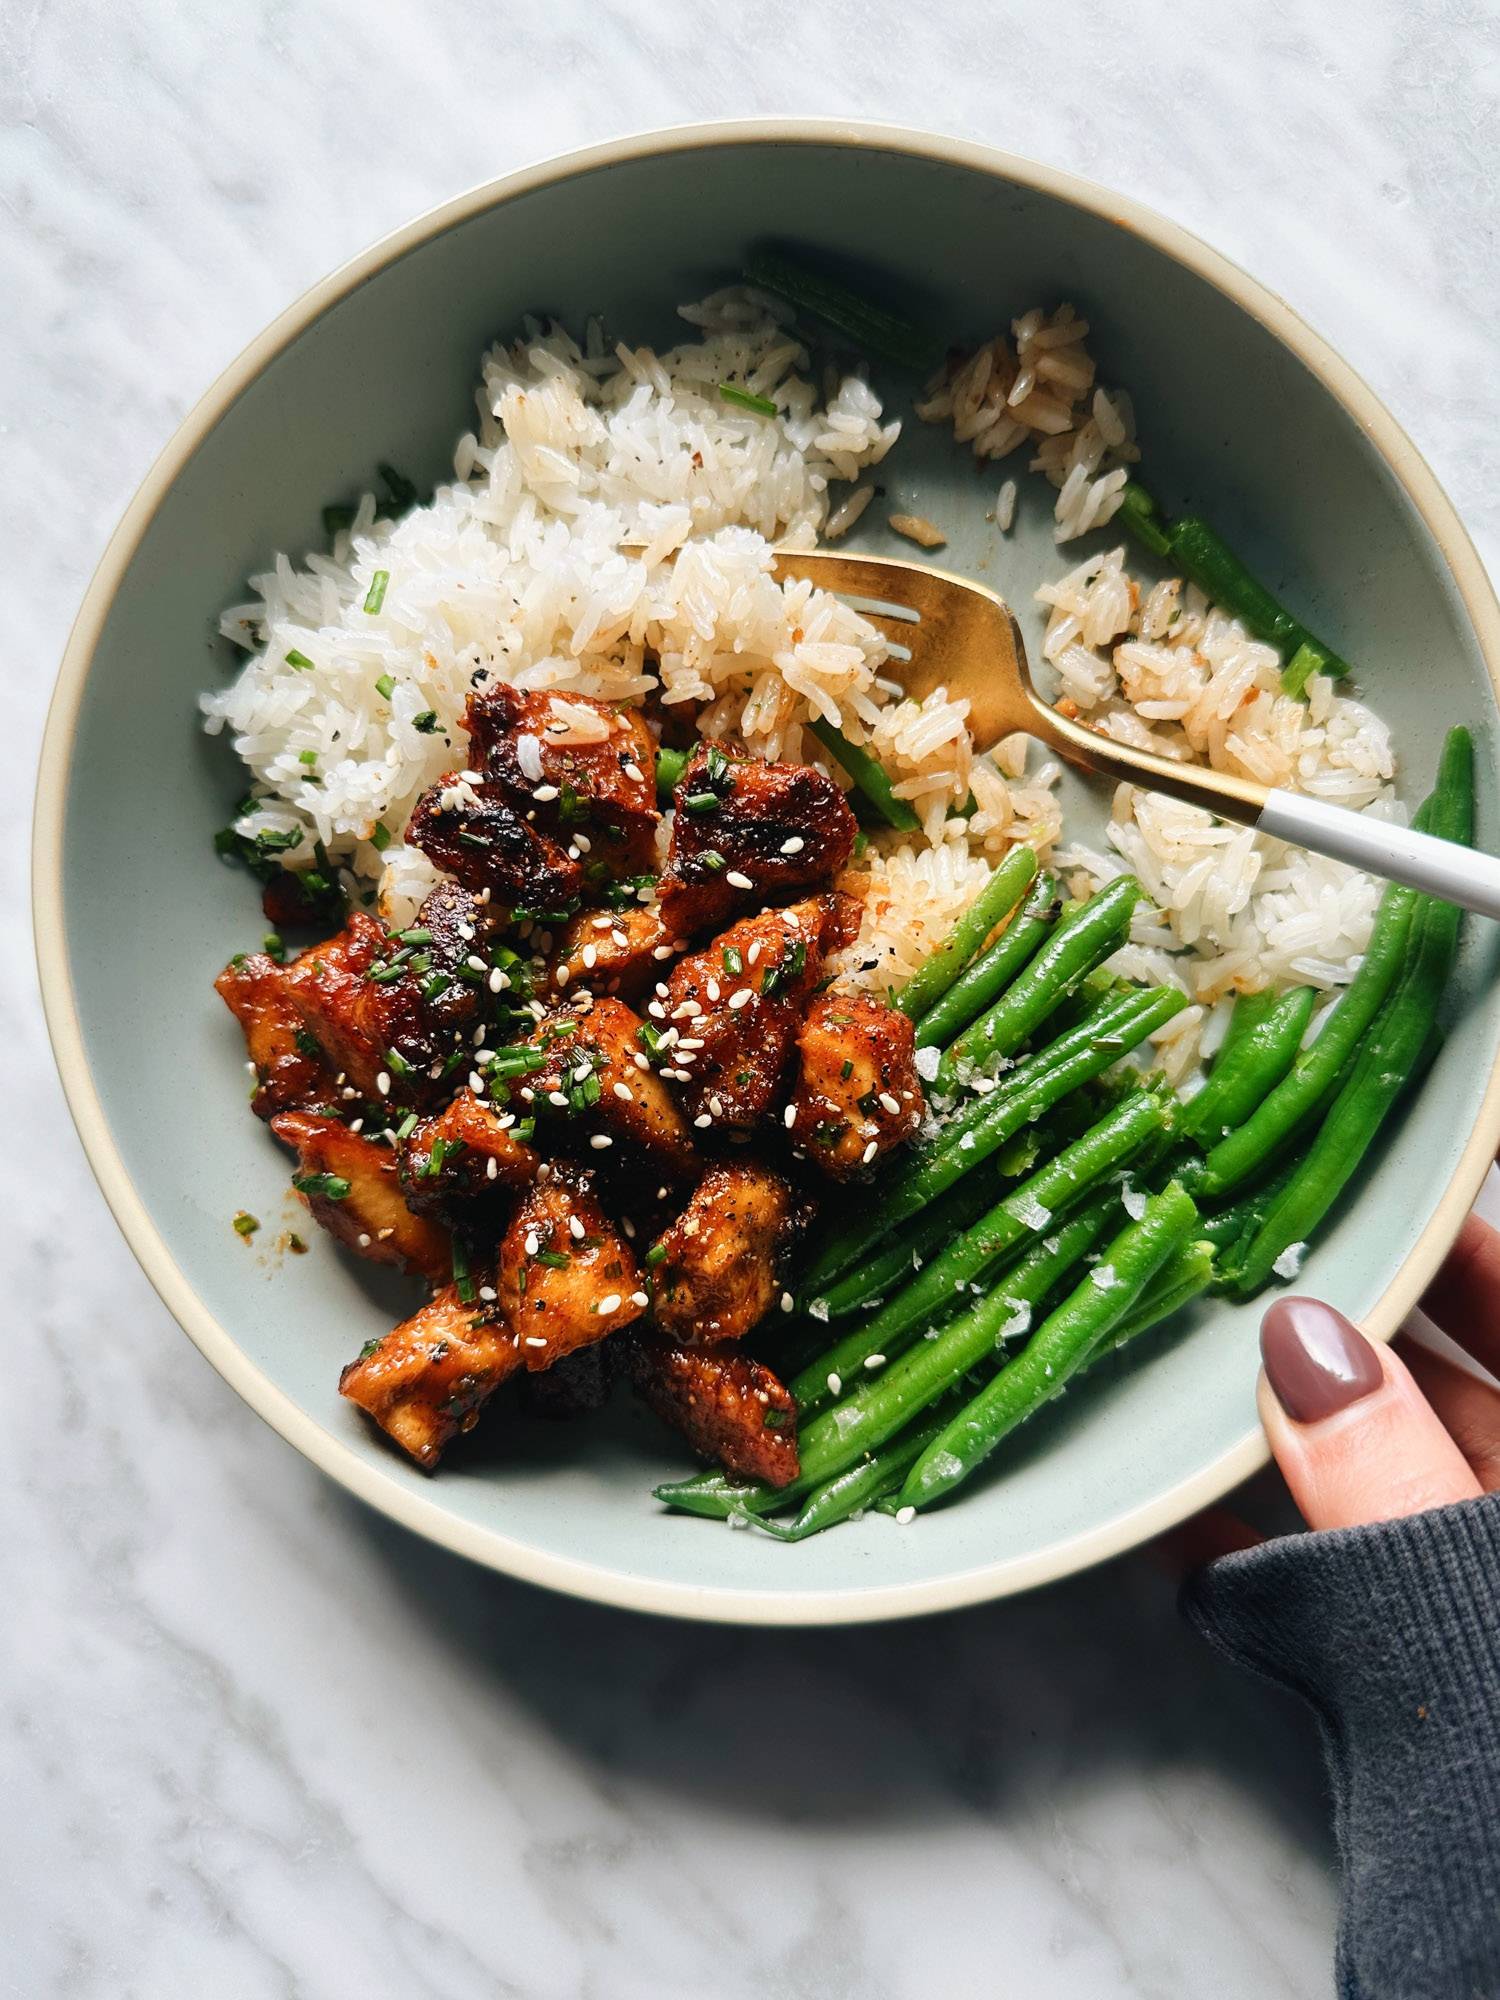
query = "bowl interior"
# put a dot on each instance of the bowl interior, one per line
(1231, 419)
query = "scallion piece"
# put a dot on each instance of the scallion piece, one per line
(884, 333)
(426, 724)
(376, 594)
(246, 1224)
(385, 687)
(380, 836)
(744, 399)
(307, 757)
(299, 660)
(463, 1284)
(870, 779)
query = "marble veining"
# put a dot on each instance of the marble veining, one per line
(255, 1742)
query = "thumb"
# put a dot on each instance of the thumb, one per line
(1354, 1436)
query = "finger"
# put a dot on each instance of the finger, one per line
(1464, 1297)
(1213, 1533)
(1468, 1409)
(1354, 1437)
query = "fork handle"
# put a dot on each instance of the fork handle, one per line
(1398, 853)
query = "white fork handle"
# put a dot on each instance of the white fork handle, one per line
(1440, 867)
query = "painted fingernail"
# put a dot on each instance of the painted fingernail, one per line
(1317, 1362)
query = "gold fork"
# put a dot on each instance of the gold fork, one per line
(962, 637)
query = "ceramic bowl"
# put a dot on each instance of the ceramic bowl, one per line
(1244, 412)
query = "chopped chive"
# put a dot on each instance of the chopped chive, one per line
(385, 687)
(712, 859)
(376, 595)
(553, 1259)
(396, 1063)
(246, 1224)
(273, 947)
(380, 836)
(426, 722)
(407, 1126)
(846, 1070)
(734, 963)
(657, 1254)
(299, 660)
(308, 757)
(332, 1186)
(372, 1347)
(463, 1283)
(702, 802)
(744, 400)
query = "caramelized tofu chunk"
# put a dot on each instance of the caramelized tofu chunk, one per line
(858, 1093)
(383, 1008)
(736, 1006)
(746, 832)
(465, 1163)
(714, 1272)
(606, 1095)
(571, 1387)
(288, 1061)
(479, 835)
(621, 953)
(566, 1276)
(728, 1407)
(352, 1188)
(578, 765)
(429, 1378)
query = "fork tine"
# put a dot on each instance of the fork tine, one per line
(883, 578)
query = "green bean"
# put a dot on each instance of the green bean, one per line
(1026, 1210)
(1248, 1011)
(994, 903)
(870, 780)
(670, 765)
(1063, 1344)
(1186, 1275)
(867, 1482)
(1310, 1080)
(866, 324)
(994, 969)
(981, 1129)
(1251, 1067)
(1066, 959)
(1401, 1036)
(1228, 1227)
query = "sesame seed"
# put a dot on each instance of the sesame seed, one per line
(610, 1303)
(737, 880)
(544, 794)
(753, 954)
(639, 1299)
(741, 999)
(786, 1302)
(590, 956)
(640, 1061)
(656, 1009)
(628, 1226)
(620, 939)
(488, 1294)
(716, 1106)
(869, 1153)
(557, 1097)
(584, 1070)
(634, 772)
(835, 1385)
(601, 1142)
(348, 1093)
(874, 1361)
(602, 923)
(476, 1083)
(661, 951)
(703, 1121)
(789, 1116)
(383, 1083)
(889, 1103)
(535, 1340)
(582, 842)
(492, 1169)
(624, 1093)
(905, 1516)
(475, 963)
(675, 1075)
(498, 981)
(793, 846)
(532, 1244)
(713, 989)
(363, 1239)
(563, 975)
(575, 1229)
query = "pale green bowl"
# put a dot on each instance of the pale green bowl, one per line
(1243, 410)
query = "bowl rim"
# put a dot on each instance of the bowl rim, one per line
(377, 1484)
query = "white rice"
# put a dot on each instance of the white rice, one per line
(609, 531)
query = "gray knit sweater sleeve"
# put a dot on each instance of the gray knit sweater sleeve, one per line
(1392, 1634)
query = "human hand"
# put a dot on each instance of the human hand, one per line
(1364, 1433)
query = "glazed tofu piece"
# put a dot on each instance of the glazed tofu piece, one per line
(745, 832)
(571, 1387)
(428, 1379)
(396, 1005)
(578, 766)
(288, 1061)
(732, 1010)
(622, 953)
(352, 1188)
(715, 1271)
(858, 1093)
(565, 1275)
(465, 1164)
(477, 833)
(728, 1407)
(593, 1090)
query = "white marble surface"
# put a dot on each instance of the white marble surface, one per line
(254, 1742)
